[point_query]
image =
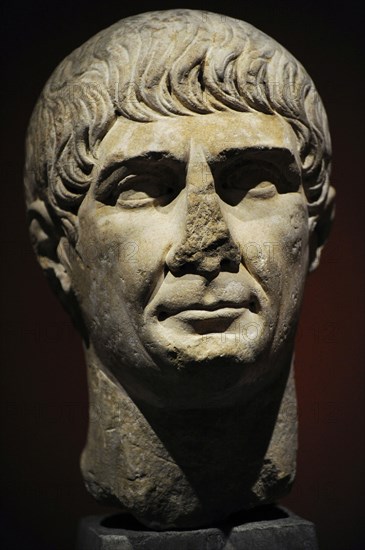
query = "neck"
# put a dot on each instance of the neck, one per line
(188, 466)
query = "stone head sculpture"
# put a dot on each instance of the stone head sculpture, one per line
(177, 184)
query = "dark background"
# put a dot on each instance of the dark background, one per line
(44, 400)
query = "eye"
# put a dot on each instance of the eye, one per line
(255, 182)
(142, 190)
(251, 179)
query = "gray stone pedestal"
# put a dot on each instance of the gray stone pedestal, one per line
(270, 528)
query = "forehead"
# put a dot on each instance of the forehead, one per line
(215, 133)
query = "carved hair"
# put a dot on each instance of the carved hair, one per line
(209, 63)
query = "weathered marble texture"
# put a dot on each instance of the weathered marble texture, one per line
(177, 180)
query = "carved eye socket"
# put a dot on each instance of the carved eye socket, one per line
(255, 182)
(143, 190)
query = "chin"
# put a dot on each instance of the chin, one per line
(207, 371)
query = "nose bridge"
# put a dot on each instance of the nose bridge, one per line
(207, 242)
(205, 225)
(199, 178)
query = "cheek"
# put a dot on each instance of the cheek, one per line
(275, 245)
(293, 257)
(124, 255)
(295, 239)
(279, 263)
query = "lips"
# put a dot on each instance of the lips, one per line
(201, 311)
(206, 319)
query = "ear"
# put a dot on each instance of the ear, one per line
(320, 229)
(49, 247)
(53, 254)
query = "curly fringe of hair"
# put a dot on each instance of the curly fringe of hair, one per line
(212, 63)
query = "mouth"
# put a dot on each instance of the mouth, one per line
(206, 309)
(206, 319)
(204, 322)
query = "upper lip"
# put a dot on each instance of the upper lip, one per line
(169, 310)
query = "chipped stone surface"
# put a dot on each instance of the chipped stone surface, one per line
(177, 180)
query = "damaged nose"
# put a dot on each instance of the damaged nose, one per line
(207, 247)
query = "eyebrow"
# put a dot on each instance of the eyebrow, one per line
(252, 151)
(117, 161)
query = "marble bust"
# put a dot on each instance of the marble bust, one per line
(177, 185)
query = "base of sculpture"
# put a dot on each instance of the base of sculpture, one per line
(267, 528)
